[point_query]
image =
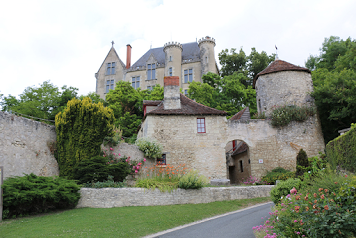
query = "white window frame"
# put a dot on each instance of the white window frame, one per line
(110, 68)
(188, 75)
(110, 83)
(151, 71)
(134, 81)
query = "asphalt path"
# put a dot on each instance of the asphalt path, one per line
(236, 224)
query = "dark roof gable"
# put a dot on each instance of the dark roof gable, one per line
(277, 66)
(188, 107)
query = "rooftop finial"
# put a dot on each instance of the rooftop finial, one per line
(276, 52)
(112, 43)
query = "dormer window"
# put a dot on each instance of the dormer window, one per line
(110, 68)
(151, 71)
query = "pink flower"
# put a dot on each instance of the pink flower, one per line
(111, 149)
(293, 190)
(119, 154)
(113, 153)
(139, 163)
(295, 221)
(126, 160)
(144, 160)
(345, 175)
(133, 167)
(136, 171)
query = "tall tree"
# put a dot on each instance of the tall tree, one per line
(334, 80)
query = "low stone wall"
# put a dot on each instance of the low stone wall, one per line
(122, 197)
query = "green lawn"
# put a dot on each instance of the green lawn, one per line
(117, 222)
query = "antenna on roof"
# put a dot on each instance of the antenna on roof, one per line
(276, 52)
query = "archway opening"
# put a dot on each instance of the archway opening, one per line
(238, 164)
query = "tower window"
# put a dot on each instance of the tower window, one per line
(110, 68)
(201, 125)
(136, 82)
(170, 71)
(151, 71)
(188, 75)
(170, 58)
(109, 85)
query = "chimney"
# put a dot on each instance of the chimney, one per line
(128, 56)
(171, 93)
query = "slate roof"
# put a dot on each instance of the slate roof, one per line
(277, 66)
(188, 107)
(243, 114)
(241, 149)
(190, 51)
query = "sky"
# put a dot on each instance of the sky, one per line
(67, 41)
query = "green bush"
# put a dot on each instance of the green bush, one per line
(81, 129)
(151, 148)
(283, 115)
(283, 188)
(32, 194)
(160, 183)
(277, 174)
(109, 183)
(342, 150)
(302, 163)
(192, 180)
(97, 169)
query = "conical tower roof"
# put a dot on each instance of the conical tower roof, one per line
(277, 66)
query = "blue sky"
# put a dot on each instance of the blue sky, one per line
(66, 41)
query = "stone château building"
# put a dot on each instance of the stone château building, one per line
(188, 61)
(203, 139)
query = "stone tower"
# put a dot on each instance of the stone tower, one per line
(207, 55)
(173, 59)
(282, 83)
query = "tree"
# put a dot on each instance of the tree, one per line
(232, 62)
(81, 129)
(334, 80)
(43, 102)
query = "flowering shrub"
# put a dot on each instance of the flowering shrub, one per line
(283, 188)
(283, 115)
(151, 148)
(192, 180)
(252, 181)
(322, 213)
(277, 174)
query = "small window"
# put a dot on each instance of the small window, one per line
(136, 82)
(109, 85)
(188, 75)
(162, 160)
(201, 125)
(151, 71)
(170, 71)
(241, 166)
(186, 92)
(170, 58)
(150, 87)
(110, 68)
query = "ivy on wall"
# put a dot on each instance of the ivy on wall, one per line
(342, 150)
(80, 129)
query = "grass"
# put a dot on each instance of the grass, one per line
(118, 222)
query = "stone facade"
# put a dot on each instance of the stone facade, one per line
(24, 146)
(190, 60)
(123, 197)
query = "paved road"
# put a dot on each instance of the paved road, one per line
(235, 225)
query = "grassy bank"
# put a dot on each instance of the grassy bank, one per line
(118, 222)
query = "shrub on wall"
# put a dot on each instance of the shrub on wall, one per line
(342, 150)
(80, 129)
(277, 174)
(192, 180)
(34, 194)
(151, 148)
(283, 115)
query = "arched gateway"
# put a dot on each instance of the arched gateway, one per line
(199, 136)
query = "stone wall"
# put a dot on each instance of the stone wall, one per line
(183, 145)
(23, 146)
(122, 197)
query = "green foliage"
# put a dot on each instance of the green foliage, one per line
(326, 209)
(283, 188)
(126, 103)
(80, 129)
(163, 184)
(43, 102)
(283, 115)
(192, 180)
(302, 163)
(342, 150)
(34, 194)
(228, 94)
(151, 148)
(334, 84)
(277, 174)
(114, 140)
(95, 98)
(109, 183)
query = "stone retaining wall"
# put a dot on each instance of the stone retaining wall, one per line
(122, 197)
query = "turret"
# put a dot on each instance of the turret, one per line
(173, 59)
(207, 55)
